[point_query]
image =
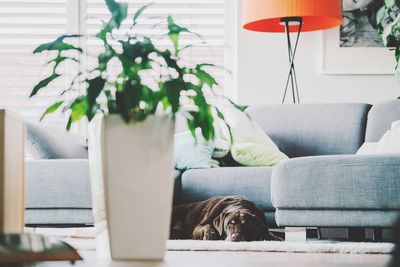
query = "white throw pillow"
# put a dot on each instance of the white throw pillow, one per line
(396, 126)
(389, 143)
(368, 148)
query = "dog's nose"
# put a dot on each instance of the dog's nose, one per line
(235, 237)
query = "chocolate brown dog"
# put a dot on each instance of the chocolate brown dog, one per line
(220, 218)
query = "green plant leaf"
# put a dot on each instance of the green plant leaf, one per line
(139, 49)
(95, 87)
(172, 89)
(390, 3)
(102, 34)
(128, 99)
(58, 45)
(105, 57)
(43, 83)
(174, 31)
(69, 123)
(79, 108)
(111, 103)
(139, 12)
(174, 37)
(154, 98)
(51, 109)
(203, 118)
(239, 107)
(59, 59)
(205, 77)
(119, 12)
(222, 117)
(205, 123)
(171, 62)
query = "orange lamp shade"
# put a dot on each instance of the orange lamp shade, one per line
(266, 15)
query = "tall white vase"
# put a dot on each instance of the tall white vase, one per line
(137, 168)
(97, 187)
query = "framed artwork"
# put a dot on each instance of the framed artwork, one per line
(356, 47)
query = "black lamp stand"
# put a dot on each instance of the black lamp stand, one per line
(292, 53)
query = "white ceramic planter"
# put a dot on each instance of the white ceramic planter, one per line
(137, 168)
(97, 187)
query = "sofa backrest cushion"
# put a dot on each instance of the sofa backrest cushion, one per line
(380, 118)
(314, 129)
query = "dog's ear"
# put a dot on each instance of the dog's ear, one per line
(258, 220)
(261, 228)
(219, 223)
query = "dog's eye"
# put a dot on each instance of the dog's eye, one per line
(243, 222)
(232, 221)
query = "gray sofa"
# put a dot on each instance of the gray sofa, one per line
(343, 190)
(56, 178)
(323, 184)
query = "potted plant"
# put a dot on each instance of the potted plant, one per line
(137, 126)
(388, 23)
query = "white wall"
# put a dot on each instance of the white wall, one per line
(261, 68)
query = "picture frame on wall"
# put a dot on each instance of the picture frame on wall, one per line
(356, 46)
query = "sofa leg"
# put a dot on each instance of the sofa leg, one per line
(356, 234)
(319, 234)
(295, 234)
(377, 237)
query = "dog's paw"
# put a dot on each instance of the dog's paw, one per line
(209, 233)
(274, 237)
(204, 232)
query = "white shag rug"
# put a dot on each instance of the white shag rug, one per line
(291, 247)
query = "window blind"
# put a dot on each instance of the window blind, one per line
(204, 17)
(24, 24)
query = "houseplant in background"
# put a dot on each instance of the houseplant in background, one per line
(388, 22)
(139, 104)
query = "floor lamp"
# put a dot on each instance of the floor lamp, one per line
(291, 16)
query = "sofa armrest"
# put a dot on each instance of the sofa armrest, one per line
(338, 182)
(58, 183)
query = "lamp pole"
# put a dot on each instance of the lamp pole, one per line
(291, 78)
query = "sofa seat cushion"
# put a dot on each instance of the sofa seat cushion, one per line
(364, 182)
(337, 218)
(58, 217)
(252, 183)
(57, 184)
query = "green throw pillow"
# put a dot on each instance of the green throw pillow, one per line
(250, 145)
(255, 154)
